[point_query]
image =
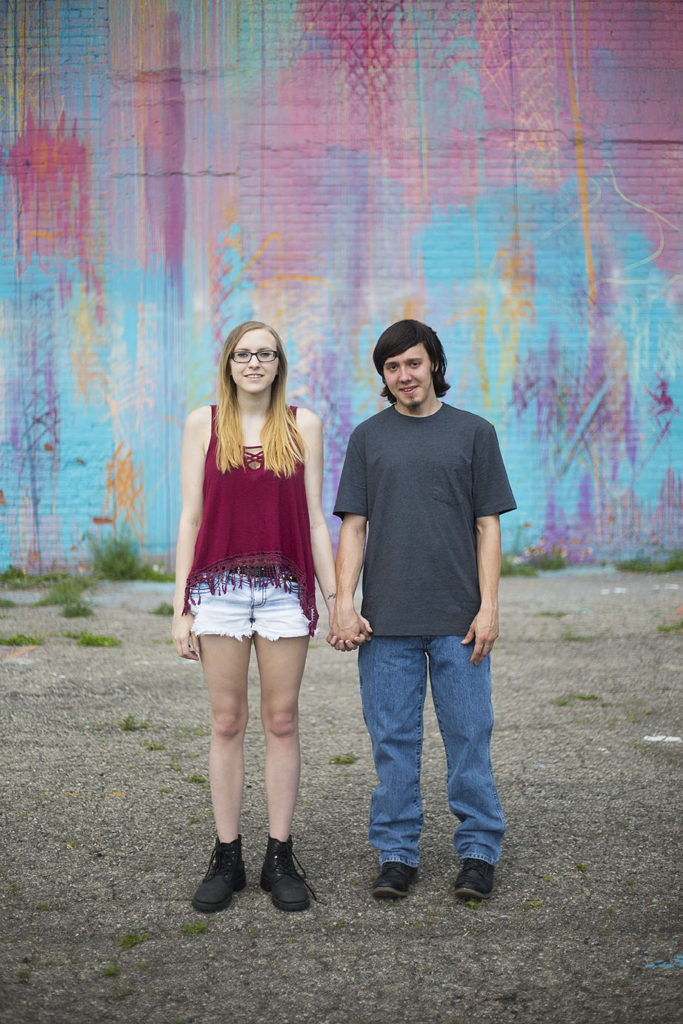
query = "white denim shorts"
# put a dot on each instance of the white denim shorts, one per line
(257, 607)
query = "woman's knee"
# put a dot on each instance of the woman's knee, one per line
(280, 723)
(228, 725)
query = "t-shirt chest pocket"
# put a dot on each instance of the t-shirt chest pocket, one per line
(452, 482)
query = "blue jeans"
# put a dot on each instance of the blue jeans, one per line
(393, 680)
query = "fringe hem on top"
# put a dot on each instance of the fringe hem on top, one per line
(230, 573)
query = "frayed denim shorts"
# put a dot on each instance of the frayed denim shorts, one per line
(247, 608)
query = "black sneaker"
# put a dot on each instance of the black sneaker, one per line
(225, 876)
(393, 880)
(288, 887)
(475, 879)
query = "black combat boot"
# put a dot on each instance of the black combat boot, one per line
(225, 876)
(279, 877)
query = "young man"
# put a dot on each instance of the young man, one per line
(425, 482)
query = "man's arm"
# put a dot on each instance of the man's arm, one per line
(484, 628)
(349, 629)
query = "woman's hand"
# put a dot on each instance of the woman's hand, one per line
(185, 641)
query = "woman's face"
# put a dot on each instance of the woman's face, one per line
(254, 376)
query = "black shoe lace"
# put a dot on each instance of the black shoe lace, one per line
(221, 863)
(287, 863)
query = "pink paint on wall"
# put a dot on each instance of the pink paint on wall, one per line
(52, 176)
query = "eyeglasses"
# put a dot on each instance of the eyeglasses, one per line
(264, 355)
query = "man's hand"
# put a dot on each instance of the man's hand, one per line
(484, 631)
(348, 629)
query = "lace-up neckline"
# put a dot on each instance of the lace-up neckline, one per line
(253, 456)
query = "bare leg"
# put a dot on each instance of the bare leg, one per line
(281, 666)
(225, 662)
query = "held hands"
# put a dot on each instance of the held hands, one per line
(185, 641)
(348, 629)
(484, 631)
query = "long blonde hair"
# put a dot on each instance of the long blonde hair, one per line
(283, 444)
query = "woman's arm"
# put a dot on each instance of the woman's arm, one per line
(195, 444)
(321, 544)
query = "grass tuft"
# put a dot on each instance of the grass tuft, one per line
(128, 941)
(21, 640)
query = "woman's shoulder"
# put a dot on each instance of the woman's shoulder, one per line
(306, 419)
(198, 426)
(200, 416)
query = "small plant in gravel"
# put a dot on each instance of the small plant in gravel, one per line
(155, 746)
(131, 724)
(194, 777)
(343, 759)
(112, 971)
(134, 939)
(195, 928)
(165, 608)
(474, 904)
(673, 627)
(643, 563)
(97, 640)
(118, 558)
(514, 565)
(65, 591)
(21, 640)
(580, 866)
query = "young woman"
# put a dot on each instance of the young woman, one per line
(252, 539)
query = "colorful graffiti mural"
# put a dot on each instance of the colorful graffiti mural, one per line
(506, 170)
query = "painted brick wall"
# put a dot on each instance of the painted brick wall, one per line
(509, 172)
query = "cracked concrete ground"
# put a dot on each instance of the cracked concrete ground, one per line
(106, 831)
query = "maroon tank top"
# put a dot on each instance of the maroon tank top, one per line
(254, 524)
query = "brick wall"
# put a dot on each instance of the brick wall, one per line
(508, 172)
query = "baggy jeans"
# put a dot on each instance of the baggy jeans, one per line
(393, 680)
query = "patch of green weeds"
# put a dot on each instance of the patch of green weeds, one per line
(112, 971)
(155, 746)
(134, 939)
(642, 563)
(578, 639)
(580, 866)
(98, 640)
(548, 561)
(12, 575)
(674, 627)
(552, 615)
(474, 904)
(65, 591)
(194, 777)
(121, 993)
(6, 603)
(43, 906)
(195, 928)
(562, 702)
(533, 904)
(165, 608)
(23, 974)
(131, 724)
(117, 557)
(514, 565)
(21, 640)
(77, 610)
(343, 759)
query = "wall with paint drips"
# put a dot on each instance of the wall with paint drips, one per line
(506, 170)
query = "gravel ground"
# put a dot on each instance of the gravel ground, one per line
(106, 831)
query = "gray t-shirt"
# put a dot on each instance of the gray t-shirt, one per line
(421, 482)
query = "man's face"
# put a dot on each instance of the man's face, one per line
(409, 379)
